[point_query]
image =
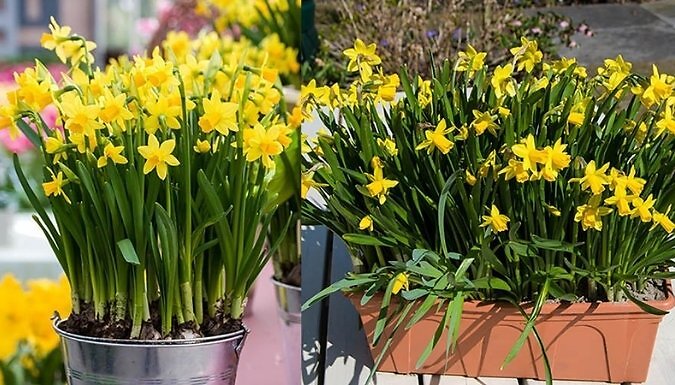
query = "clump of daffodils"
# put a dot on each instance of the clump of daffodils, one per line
(517, 186)
(158, 176)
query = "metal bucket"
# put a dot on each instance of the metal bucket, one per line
(209, 361)
(289, 302)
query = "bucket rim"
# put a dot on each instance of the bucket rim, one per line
(278, 283)
(239, 335)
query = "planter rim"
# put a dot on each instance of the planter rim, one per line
(276, 282)
(238, 335)
(551, 309)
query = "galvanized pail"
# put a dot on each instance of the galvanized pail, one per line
(289, 303)
(93, 361)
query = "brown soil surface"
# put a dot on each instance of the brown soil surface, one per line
(86, 324)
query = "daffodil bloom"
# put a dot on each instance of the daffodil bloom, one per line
(621, 200)
(489, 162)
(114, 108)
(552, 210)
(470, 61)
(590, 215)
(202, 146)
(423, 92)
(515, 169)
(528, 152)
(161, 110)
(663, 220)
(634, 184)
(617, 65)
(388, 145)
(400, 282)
(263, 144)
(158, 156)
(470, 178)
(577, 114)
(55, 186)
(503, 112)
(34, 92)
(642, 207)
(361, 58)
(112, 152)
(79, 118)
(659, 89)
(9, 113)
(667, 121)
(311, 92)
(308, 183)
(498, 222)
(366, 223)
(218, 115)
(502, 82)
(561, 65)
(527, 55)
(484, 121)
(59, 41)
(556, 159)
(437, 139)
(594, 178)
(54, 145)
(379, 185)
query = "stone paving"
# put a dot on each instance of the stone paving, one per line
(642, 33)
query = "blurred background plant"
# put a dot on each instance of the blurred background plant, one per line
(29, 353)
(412, 32)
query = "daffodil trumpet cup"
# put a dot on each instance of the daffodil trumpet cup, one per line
(527, 193)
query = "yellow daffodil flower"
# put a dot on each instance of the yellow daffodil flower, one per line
(659, 89)
(218, 115)
(470, 178)
(379, 185)
(158, 156)
(527, 55)
(621, 200)
(202, 146)
(437, 139)
(361, 58)
(388, 145)
(110, 151)
(79, 118)
(642, 208)
(667, 121)
(555, 159)
(484, 121)
(308, 183)
(590, 215)
(59, 41)
(552, 210)
(114, 109)
(36, 93)
(55, 187)
(594, 178)
(515, 169)
(400, 282)
(263, 144)
(502, 82)
(663, 220)
(54, 145)
(470, 61)
(498, 222)
(423, 92)
(162, 110)
(528, 152)
(366, 223)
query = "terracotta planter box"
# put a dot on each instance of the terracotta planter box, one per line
(610, 342)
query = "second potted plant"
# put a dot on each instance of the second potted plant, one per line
(512, 222)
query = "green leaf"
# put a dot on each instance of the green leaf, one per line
(128, 251)
(337, 286)
(362, 239)
(643, 305)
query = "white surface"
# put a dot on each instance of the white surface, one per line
(28, 254)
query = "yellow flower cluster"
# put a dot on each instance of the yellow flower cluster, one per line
(625, 197)
(372, 84)
(26, 312)
(218, 85)
(245, 13)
